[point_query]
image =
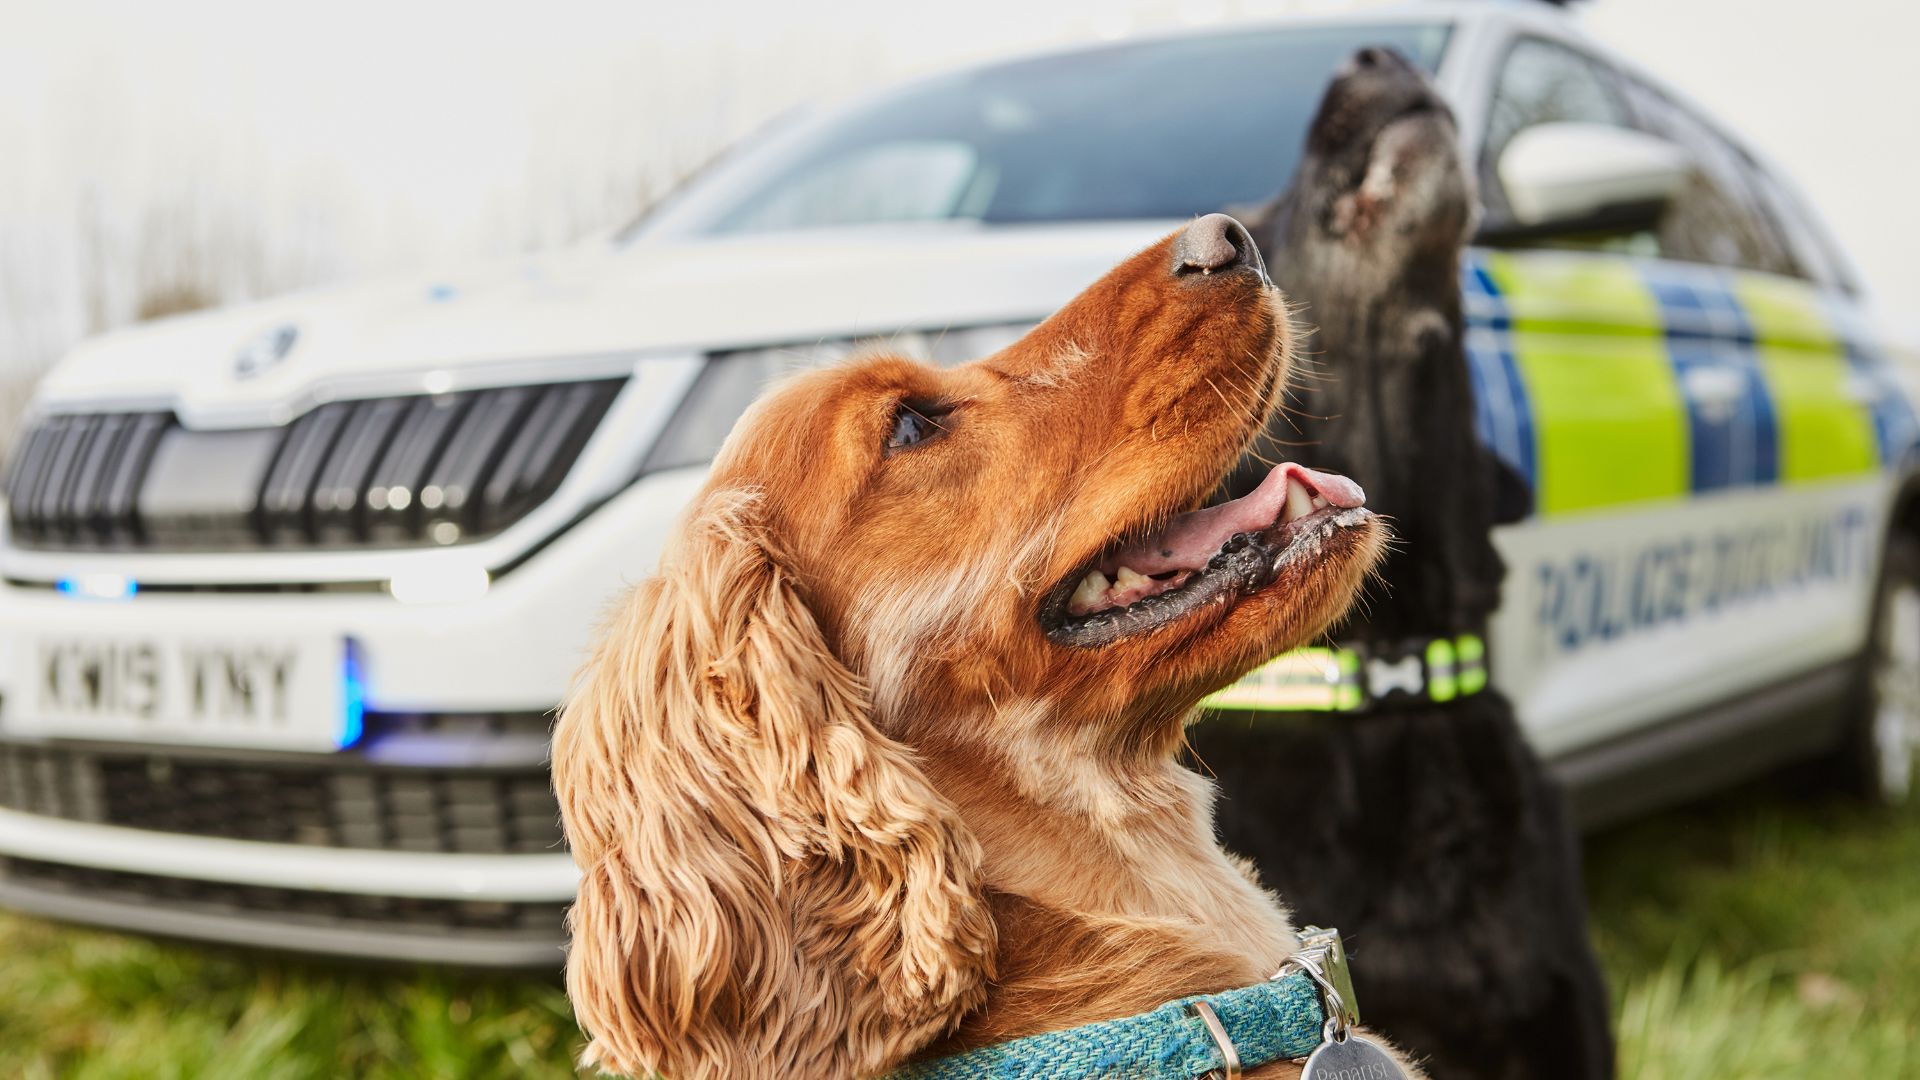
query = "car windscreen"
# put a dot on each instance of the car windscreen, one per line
(1148, 130)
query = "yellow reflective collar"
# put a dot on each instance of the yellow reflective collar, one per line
(1360, 676)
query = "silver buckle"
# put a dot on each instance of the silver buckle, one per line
(1323, 958)
(1219, 1032)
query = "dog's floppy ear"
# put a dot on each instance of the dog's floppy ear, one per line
(770, 886)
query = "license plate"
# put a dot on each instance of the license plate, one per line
(286, 691)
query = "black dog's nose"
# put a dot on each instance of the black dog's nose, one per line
(1376, 58)
(1214, 244)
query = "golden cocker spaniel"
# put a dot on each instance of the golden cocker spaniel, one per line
(882, 763)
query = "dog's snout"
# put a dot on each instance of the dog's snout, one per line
(1214, 244)
(1377, 59)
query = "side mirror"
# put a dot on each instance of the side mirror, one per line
(1574, 175)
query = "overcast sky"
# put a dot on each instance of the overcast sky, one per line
(264, 146)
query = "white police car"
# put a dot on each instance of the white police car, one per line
(289, 589)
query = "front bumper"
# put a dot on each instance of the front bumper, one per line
(435, 839)
(482, 911)
(337, 855)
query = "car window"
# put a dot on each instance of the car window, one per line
(1813, 247)
(1719, 216)
(1543, 83)
(910, 180)
(1160, 129)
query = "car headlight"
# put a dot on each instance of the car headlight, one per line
(730, 382)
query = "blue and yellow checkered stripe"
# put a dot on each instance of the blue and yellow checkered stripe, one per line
(1606, 380)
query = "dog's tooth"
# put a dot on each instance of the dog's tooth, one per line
(1125, 578)
(1319, 502)
(1089, 591)
(1299, 503)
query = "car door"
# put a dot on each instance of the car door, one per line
(1701, 449)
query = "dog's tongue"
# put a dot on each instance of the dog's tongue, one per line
(1189, 540)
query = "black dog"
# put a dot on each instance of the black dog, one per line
(1428, 832)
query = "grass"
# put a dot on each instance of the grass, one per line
(1749, 937)
(1762, 932)
(98, 1006)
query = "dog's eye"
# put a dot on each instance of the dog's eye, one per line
(914, 422)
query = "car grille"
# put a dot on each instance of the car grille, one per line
(335, 910)
(385, 472)
(344, 805)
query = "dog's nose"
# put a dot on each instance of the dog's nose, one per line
(1215, 244)
(1376, 59)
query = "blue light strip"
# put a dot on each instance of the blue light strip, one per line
(353, 697)
(98, 587)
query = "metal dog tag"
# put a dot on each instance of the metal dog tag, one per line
(1341, 1055)
(1351, 1058)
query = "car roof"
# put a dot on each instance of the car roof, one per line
(1533, 14)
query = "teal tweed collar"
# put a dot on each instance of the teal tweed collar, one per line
(1280, 1018)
